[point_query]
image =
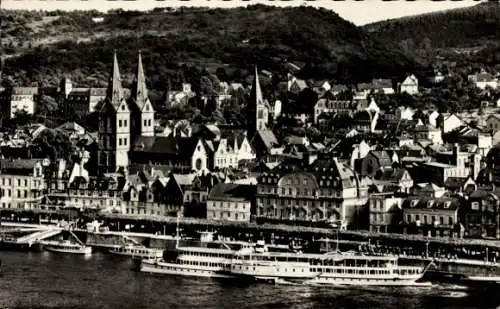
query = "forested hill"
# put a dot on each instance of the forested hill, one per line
(43, 46)
(465, 27)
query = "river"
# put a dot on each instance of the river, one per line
(51, 280)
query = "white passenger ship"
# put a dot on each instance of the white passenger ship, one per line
(214, 260)
(137, 251)
(66, 247)
(330, 268)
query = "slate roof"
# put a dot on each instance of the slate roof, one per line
(390, 174)
(179, 146)
(382, 157)
(268, 138)
(446, 203)
(455, 182)
(232, 192)
(18, 166)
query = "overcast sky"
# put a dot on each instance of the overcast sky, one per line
(358, 12)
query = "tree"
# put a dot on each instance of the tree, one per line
(53, 144)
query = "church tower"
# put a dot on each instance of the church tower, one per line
(142, 110)
(114, 126)
(257, 108)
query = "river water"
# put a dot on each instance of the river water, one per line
(51, 280)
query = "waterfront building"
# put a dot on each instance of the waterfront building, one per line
(432, 216)
(21, 182)
(187, 191)
(385, 211)
(103, 193)
(326, 190)
(230, 202)
(482, 218)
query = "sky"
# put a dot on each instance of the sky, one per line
(358, 12)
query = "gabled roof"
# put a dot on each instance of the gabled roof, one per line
(183, 147)
(383, 157)
(184, 179)
(300, 83)
(268, 138)
(70, 126)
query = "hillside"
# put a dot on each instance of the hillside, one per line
(41, 48)
(462, 28)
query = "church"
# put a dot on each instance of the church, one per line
(122, 120)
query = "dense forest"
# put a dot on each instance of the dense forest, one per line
(464, 27)
(41, 47)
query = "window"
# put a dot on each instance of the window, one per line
(125, 141)
(145, 122)
(475, 205)
(125, 123)
(120, 123)
(149, 122)
(120, 141)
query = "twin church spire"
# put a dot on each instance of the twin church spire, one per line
(115, 93)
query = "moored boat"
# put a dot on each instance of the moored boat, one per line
(138, 251)
(212, 262)
(336, 268)
(67, 247)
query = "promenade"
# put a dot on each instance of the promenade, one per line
(290, 230)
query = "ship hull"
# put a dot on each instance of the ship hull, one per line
(174, 269)
(81, 251)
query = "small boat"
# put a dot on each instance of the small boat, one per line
(67, 246)
(137, 251)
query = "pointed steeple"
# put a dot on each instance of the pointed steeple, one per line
(115, 92)
(256, 92)
(140, 91)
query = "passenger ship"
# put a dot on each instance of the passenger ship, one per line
(137, 251)
(66, 247)
(334, 268)
(214, 260)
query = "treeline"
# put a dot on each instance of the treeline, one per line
(317, 39)
(464, 27)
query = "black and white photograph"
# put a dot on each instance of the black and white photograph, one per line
(249, 154)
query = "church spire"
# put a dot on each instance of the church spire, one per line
(256, 92)
(140, 92)
(115, 92)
